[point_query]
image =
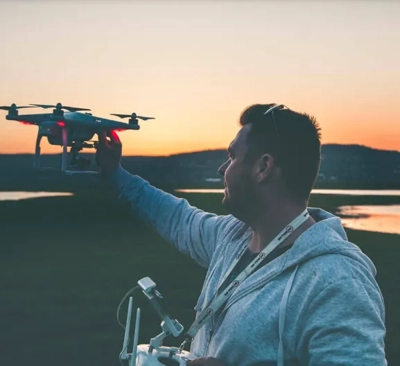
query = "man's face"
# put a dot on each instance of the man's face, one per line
(237, 172)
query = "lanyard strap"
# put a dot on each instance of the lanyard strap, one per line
(208, 312)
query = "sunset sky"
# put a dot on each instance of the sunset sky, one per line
(195, 65)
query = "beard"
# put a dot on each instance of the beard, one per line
(225, 199)
(239, 202)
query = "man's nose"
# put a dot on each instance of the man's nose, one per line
(221, 169)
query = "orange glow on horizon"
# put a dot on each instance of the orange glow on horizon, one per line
(163, 139)
(195, 66)
(26, 146)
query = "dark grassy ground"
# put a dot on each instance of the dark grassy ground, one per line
(67, 262)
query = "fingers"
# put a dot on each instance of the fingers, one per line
(197, 362)
(102, 138)
(193, 363)
(205, 361)
(114, 138)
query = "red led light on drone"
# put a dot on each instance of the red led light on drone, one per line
(61, 124)
(25, 123)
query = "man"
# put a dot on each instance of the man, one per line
(284, 286)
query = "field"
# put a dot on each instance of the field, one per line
(67, 262)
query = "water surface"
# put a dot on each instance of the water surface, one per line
(377, 218)
(347, 192)
(21, 195)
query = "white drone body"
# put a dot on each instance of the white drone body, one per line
(154, 353)
(70, 129)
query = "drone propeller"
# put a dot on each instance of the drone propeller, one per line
(14, 107)
(133, 116)
(59, 107)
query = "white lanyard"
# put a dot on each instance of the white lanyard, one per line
(208, 312)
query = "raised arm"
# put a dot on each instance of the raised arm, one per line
(189, 229)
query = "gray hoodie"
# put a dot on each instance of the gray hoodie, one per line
(317, 304)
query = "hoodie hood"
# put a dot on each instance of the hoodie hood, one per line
(326, 236)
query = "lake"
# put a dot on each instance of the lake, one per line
(21, 195)
(377, 218)
(346, 192)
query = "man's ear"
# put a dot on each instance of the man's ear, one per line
(264, 167)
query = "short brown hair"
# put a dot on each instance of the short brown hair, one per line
(297, 150)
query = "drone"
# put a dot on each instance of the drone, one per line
(68, 127)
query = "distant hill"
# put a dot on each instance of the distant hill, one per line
(342, 166)
(347, 166)
(358, 165)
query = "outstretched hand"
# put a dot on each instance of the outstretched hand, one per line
(205, 361)
(109, 152)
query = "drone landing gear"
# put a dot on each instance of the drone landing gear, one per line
(78, 163)
(36, 159)
(64, 132)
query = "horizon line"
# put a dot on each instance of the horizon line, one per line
(196, 151)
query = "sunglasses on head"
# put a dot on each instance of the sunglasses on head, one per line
(273, 109)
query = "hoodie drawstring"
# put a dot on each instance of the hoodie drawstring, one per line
(282, 315)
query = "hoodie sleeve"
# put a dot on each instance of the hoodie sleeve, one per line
(191, 230)
(344, 325)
